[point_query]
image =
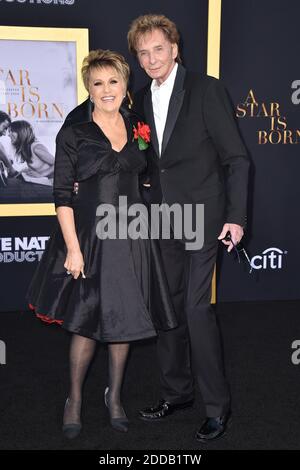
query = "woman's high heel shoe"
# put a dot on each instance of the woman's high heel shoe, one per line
(71, 430)
(119, 424)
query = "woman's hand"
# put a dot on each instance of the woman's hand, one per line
(74, 263)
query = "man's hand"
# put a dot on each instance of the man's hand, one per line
(236, 232)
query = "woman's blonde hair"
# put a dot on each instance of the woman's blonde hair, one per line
(146, 24)
(104, 58)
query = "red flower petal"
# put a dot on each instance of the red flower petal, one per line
(142, 131)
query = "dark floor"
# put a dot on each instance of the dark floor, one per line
(264, 383)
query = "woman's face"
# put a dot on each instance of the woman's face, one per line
(13, 136)
(107, 89)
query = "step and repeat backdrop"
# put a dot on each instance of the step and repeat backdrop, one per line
(259, 50)
(40, 84)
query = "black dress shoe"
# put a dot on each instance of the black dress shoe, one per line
(213, 428)
(163, 409)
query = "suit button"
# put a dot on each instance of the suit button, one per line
(162, 170)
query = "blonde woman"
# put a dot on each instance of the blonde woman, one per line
(99, 290)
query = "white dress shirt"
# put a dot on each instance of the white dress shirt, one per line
(161, 95)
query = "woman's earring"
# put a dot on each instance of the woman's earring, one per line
(91, 99)
(130, 102)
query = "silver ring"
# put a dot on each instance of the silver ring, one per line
(68, 272)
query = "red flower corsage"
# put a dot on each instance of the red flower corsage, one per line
(142, 135)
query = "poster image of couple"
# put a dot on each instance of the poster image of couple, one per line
(38, 88)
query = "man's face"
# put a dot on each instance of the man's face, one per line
(156, 55)
(4, 125)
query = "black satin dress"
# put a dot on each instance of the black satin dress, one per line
(124, 296)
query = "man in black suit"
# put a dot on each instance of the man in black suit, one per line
(197, 158)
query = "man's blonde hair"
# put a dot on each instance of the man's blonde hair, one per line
(146, 24)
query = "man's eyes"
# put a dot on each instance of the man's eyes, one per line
(144, 53)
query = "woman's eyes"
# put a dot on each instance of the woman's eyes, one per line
(113, 81)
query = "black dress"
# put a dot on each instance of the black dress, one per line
(124, 296)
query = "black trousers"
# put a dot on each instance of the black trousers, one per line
(197, 337)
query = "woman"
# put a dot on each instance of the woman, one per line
(99, 289)
(29, 151)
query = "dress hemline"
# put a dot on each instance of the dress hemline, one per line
(49, 320)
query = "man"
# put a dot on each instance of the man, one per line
(4, 125)
(197, 157)
(4, 122)
(5, 167)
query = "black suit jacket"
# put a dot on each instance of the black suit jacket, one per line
(203, 159)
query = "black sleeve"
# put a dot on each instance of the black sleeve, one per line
(65, 168)
(222, 127)
(81, 113)
(138, 112)
(138, 103)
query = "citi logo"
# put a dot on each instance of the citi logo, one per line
(271, 258)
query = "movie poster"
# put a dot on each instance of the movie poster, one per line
(38, 88)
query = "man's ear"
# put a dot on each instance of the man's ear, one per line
(174, 50)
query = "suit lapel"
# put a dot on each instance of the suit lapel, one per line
(175, 105)
(148, 109)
